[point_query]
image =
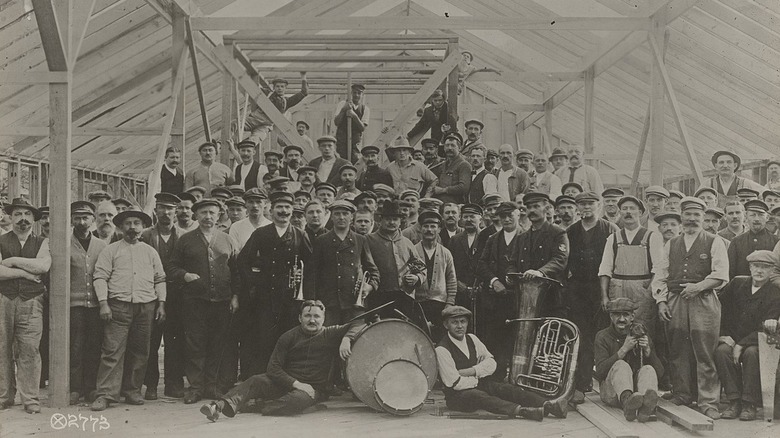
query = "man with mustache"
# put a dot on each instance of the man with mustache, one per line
(293, 160)
(329, 162)
(524, 158)
(773, 175)
(431, 158)
(566, 209)
(104, 226)
(543, 180)
(491, 160)
(24, 258)
(307, 179)
(579, 172)
(348, 174)
(726, 182)
(414, 232)
(450, 213)
(372, 174)
(413, 198)
(184, 220)
(482, 180)
(265, 264)
(410, 174)
(583, 288)
(171, 177)
(712, 218)
(303, 130)
(455, 177)
(558, 159)
(463, 247)
(491, 223)
(435, 117)
(655, 200)
(209, 173)
(163, 237)
(203, 263)
(692, 267)
(756, 238)
(247, 172)
(610, 197)
(673, 202)
(255, 200)
(735, 219)
(130, 286)
(473, 137)
(512, 181)
(360, 114)
(669, 223)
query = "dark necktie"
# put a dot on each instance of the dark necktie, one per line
(571, 173)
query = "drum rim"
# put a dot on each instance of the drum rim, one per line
(395, 411)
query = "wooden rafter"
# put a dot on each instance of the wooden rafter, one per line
(196, 73)
(49, 26)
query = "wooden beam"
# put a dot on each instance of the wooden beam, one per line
(121, 156)
(196, 73)
(345, 58)
(286, 129)
(588, 110)
(607, 423)
(420, 23)
(250, 69)
(153, 186)
(229, 99)
(49, 28)
(656, 136)
(261, 37)
(391, 131)
(685, 416)
(80, 14)
(178, 50)
(33, 77)
(453, 48)
(526, 76)
(43, 131)
(325, 47)
(676, 111)
(548, 127)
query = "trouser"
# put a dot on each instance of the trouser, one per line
(125, 349)
(263, 329)
(277, 399)
(338, 316)
(584, 310)
(21, 324)
(205, 331)
(44, 345)
(621, 378)
(495, 397)
(639, 292)
(739, 382)
(432, 311)
(493, 330)
(86, 337)
(172, 330)
(342, 149)
(693, 338)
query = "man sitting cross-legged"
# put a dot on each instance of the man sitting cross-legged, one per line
(464, 361)
(298, 370)
(620, 355)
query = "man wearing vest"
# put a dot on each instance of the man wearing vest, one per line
(171, 177)
(692, 267)
(757, 237)
(726, 182)
(464, 361)
(24, 258)
(482, 181)
(359, 113)
(583, 295)
(247, 172)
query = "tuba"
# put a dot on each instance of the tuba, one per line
(545, 350)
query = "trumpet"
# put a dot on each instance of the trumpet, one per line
(362, 279)
(295, 282)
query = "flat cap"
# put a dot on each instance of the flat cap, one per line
(657, 191)
(198, 189)
(122, 201)
(762, 256)
(276, 154)
(255, 193)
(342, 204)
(507, 207)
(776, 210)
(82, 207)
(453, 136)
(120, 218)
(167, 199)
(587, 196)
(293, 147)
(756, 205)
(492, 153)
(523, 152)
(404, 204)
(430, 204)
(279, 81)
(370, 149)
(221, 192)
(325, 186)
(246, 144)
(474, 122)
(187, 196)
(668, 215)
(689, 203)
(277, 197)
(621, 305)
(365, 194)
(564, 199)
(572, 184)
(676, 194)
(745, 192)
(207, 144)
(236, 190)
(770, 192)
(277, 180)
(454, 312)
(326, 138)
(383, 188)
(471, 209)
(531, 197)
(409, 192)
(429, 217)
(715, 211)
(613, 192)
(302, 122)
(98, 194)
(737, 160)
(360, 87)
(491, 199)
(705, 190)
(306, 168)
(236, 201)
(347, 167)
(635, 200)
(206, 202)
(558, 152)
(302, 193)
(429, 141)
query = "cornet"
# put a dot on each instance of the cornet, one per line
(295, 284)
(361, 281)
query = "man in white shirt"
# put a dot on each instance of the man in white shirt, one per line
(543, 180)
(303, 130)
(512, 181)
(328, 163)
(579, 172)
(464, 361)
(655, 199)
(255, 200)
(726, 182)
(359, 114)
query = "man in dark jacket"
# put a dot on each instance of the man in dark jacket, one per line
(746, 303)
(435, 117)
(455, 176)
(463, 247)
(757, 237)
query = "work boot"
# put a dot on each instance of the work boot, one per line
(100, 404)
(174, 392)
(748, 412)
(558, 408)
(150, 394)
(536, 414)
(631, 404)
(712, 413)
(649, 402)
(733, 411)
(578, 398)
(36, 409)
(134, 400)
(211, 410)
(74, 398)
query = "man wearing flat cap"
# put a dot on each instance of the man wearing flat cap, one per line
(412, 197)
(712, 218)
(543, 249)
(354, 114)
(747, 301)
(303, 130)
(24, 258)
(566, 210)
(626, 360)
(258, 123)
(410, 174)
(726, 182)
(435, 117)
(455, 176)
(673, 202)
(465, 255)
(163, 237)
(524, 158)
(693, 266)
(338, 258)
(473, 129)
(757, 237)
(465, 364)
(583, 288)
(272, 164)
(255, 201)
(431, 158)
(130, 286)
(655, 201)
(293, 160)
(328, 163)
(203, 262)
(745, 194)
(610, 197)
(208, 173)
(348, 175)
(372, 174)
(98, 196)
(247, 173)
(414, 232)
(772, 200)
(265, 264)
(236, 210)
(669, 223)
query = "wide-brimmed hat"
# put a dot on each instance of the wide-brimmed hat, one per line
(390, 208)
(120, 218)
(22, 203)
(737, 160)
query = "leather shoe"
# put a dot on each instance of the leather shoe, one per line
(679, 401)
(578, 398)
(192, 397)
(558, 408)
(632, 404)
(748, 412)
(211, 411)
(74, 398)
(134, 400)
(536, 414)
(174, 392)
(733, 411)
(36, 409)
(712, 413)
(100, 404)
(649, 402)
(150, 394)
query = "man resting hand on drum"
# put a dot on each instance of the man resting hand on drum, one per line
(464, 361)
(297, 371)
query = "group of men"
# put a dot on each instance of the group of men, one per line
(669, 287)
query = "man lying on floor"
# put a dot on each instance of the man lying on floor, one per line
(464, 361)
(298, 370)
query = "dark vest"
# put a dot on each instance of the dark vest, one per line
(251, 178)
(476, 190)
(585, 256)
(461, 361)
(10, 247)
(341, 132)
(691, 266)
(170, 183)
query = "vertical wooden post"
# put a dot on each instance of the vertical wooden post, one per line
(548, 126)
(80, 184)
(14, 179)
(452, 82)
(228, 85)
(178, 46)
(348, 102)
(656, 133)
(589, 88)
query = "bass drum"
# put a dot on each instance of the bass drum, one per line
(392, 367)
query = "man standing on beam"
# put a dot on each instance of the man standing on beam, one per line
(359, 113)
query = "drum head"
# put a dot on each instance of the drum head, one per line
(401, 387)
(381, 343)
